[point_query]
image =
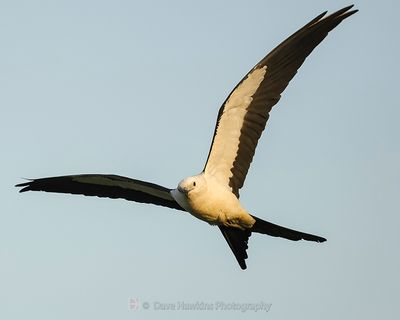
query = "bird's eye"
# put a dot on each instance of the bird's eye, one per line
(194, 183)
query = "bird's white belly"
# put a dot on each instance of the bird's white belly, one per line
(217, 206)
(201, 212)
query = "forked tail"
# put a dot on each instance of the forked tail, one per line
(237, 238)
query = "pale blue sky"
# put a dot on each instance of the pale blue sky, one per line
(133, 88)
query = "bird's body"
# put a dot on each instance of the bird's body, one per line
(213, 195)
(208, 200)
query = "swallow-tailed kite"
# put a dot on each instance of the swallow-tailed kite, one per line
(213, 195)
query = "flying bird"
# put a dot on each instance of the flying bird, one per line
(213, 194)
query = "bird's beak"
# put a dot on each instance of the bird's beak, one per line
(181, 190)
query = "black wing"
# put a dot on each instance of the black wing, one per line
(109, 186)
(274, 230)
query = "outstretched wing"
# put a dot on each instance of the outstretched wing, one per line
(243, 116)
(109, 186)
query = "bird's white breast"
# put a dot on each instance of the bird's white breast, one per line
(215, 204)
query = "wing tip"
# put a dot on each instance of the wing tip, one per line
(345, 12)
(26, 186)
(311, 237)
(338, 15)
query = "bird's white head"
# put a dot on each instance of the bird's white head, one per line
(192, 185)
